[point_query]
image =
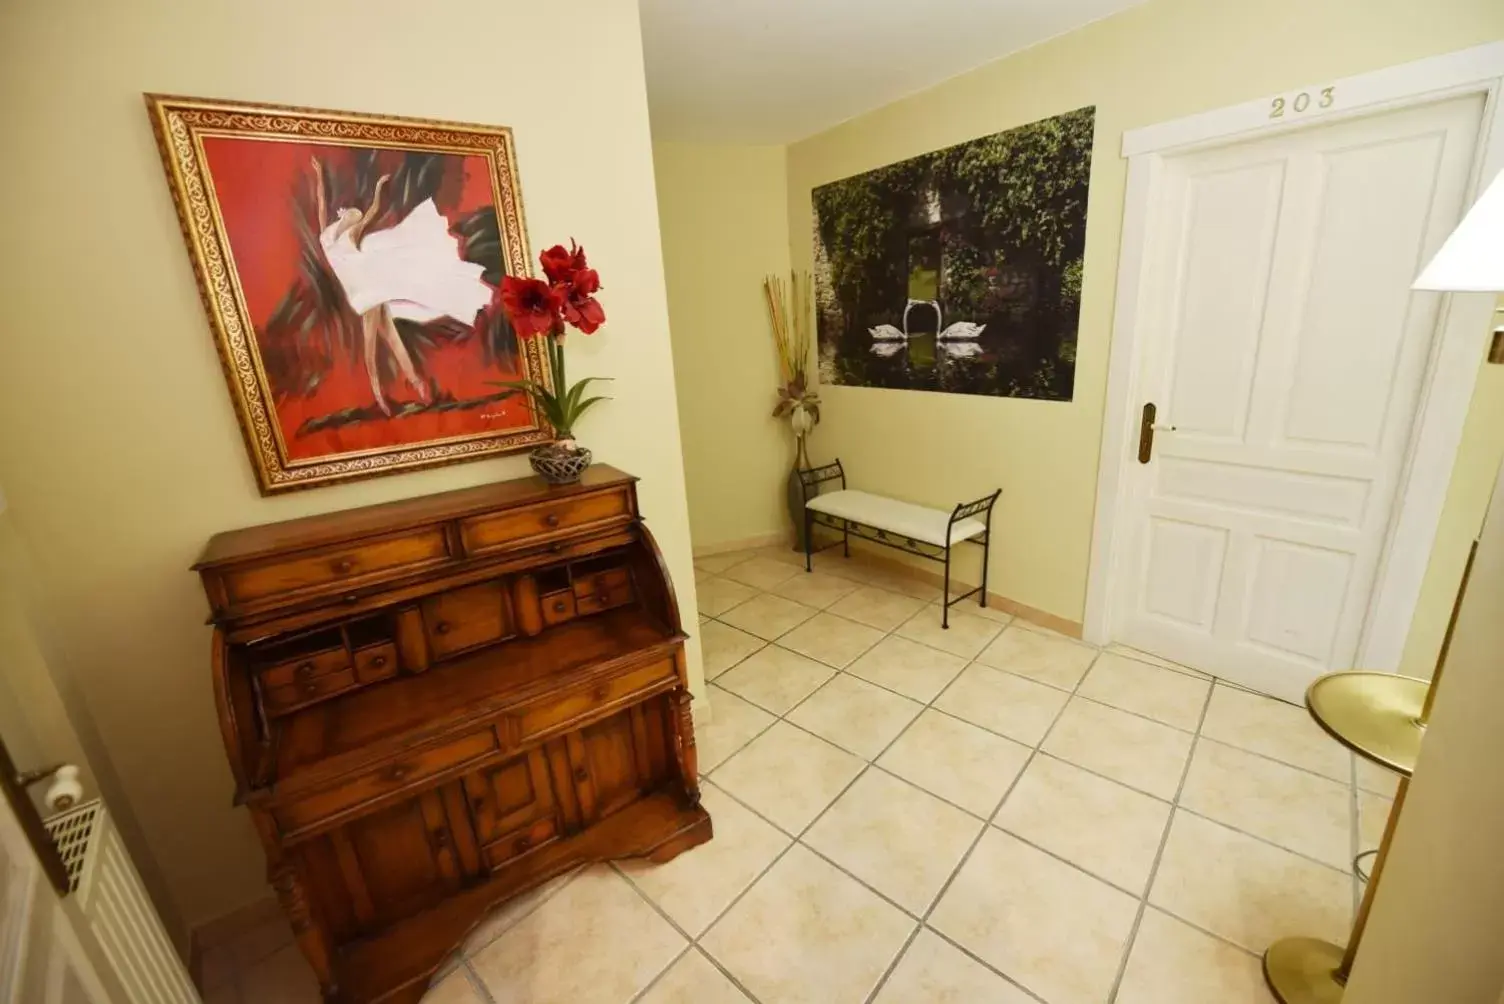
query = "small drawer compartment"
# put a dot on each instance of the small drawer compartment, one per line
(376, 662)
(573, 709)
(304, 668)
(602, 590)
(305, 813)
(292, 696)
(334, 568)
(523, 840)
(515, 528)
(467, 618)
(558, 607)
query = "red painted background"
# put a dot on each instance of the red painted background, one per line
(256, 183)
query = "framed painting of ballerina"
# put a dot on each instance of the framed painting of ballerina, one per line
(350, 266)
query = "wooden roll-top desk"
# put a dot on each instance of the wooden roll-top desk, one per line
(430, 706)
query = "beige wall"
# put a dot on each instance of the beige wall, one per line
(121, 453)
(1160, 61)
(1438, 915)
(723, 210)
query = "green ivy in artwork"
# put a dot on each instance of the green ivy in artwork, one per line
(1008, 213)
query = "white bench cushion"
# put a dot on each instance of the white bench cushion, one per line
(902, 518)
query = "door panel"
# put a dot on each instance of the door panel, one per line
(1229, 230)
(1286, 355)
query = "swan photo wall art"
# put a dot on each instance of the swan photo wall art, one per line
(959, 270)
(350, 265)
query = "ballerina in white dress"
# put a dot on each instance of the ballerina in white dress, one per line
(412, 270)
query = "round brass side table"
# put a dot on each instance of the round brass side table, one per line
(1382, 718)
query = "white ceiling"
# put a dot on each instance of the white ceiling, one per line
(773, 71)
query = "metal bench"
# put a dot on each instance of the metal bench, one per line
(913, 529)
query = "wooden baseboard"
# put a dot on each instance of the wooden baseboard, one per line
(870, 554)
(749, 544)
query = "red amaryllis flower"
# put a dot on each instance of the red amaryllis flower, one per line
(581, 308)
(532, 305)
(558, 264)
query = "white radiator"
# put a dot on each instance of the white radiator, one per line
(119, 913)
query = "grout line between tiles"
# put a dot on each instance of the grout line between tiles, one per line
(476, 983)
(1164, 839)
(689, 946)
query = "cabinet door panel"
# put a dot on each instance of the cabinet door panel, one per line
(513, 807)
(608, 752)
(397, 861)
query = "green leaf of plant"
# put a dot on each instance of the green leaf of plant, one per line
(572, 398)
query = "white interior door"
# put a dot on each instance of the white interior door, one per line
(1285, 354)
(43, 959)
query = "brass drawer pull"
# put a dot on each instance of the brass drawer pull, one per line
(560, 606)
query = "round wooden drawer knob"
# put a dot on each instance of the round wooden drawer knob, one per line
(378, 662)
(560, 606)
(442, 627)
(552, 519)
(311, 687)
(344, 566)
(305, 670)
(522, 844)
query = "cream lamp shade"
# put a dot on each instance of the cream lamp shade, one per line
(1472, 259)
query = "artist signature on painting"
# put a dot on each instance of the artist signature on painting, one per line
(492, 416)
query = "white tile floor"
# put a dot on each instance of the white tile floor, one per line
(906, 815)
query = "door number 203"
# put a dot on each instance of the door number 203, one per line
(1301, 102)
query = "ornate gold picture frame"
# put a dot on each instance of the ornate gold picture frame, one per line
(349, 265)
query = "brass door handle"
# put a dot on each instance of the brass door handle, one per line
(1146, 429)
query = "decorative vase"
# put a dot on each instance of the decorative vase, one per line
(559, 465)
(795, 490)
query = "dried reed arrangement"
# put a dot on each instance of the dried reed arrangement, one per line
(790, 308)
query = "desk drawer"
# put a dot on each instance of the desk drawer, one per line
(394, 777)
(333, 568)
(603, 590)
(292, 672)
(584, 702)
(289, 698)
(515, 528)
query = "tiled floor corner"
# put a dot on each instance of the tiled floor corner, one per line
(911, 815)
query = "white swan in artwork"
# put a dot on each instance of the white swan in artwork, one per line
(962, 330)
(887, 333)
(960, 350)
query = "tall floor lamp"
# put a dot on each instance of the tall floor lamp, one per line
(1382, 716)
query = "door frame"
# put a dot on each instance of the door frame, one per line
(1463, 321)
